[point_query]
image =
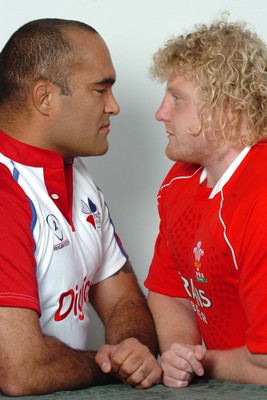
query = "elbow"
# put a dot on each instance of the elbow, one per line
(14, 390)
(13, 385)
(256, 365)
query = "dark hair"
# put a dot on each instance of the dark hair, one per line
(39, 49)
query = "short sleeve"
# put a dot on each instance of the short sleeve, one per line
(163, 276)
(253, 276)
(17, 262)
(114, 255)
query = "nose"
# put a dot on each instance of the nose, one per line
(112, 106)
(163, 113)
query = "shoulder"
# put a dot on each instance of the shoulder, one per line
(180, 172)
(11, 193)
(7, 181)
(251, 177)
(257, 156)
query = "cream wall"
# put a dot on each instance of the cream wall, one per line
(131, 172)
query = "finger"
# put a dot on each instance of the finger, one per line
(200, 353)
(138, 376)
(103, 358)
(173, 383)
(126, 359)
(124, 365)
(196, 366)
(146, 376)
(188, 360)
(138, 368)
(177, 374)
(172, 361)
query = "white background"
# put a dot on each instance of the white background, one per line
(132, 171)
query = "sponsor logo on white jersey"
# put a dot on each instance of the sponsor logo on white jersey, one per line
(93, 216)
(53, 224)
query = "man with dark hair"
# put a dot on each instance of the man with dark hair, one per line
(59, 250)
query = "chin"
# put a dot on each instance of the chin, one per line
(101, 152)
(171, 155)
(96, 151)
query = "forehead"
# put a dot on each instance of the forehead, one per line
(181, 82)
(92, 54)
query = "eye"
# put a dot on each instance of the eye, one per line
(101, 91)
(176, 96)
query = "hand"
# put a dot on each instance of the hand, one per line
(131, 362)
(180, 363)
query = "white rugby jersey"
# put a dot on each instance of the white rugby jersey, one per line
(58, 238)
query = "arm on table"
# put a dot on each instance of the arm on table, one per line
(31, 363)
(182, 355)
(237, 365)
(130, 332)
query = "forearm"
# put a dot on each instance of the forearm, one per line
(54, 367)
(132, 318)
(237, 365)
(175, 321)
(131, 342)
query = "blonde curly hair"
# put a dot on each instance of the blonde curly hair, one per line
(229, 64)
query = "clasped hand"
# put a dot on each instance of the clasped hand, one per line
(180, 363)
(131, 362)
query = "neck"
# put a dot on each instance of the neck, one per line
(220, 163)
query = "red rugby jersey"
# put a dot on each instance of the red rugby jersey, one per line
(212, 249)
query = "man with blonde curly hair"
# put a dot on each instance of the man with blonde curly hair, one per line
(207, 279)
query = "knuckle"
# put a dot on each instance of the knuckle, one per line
(125, 370)
(132, 341)
(164, 357)
(136, 359)
(146, 384)
(115, 362)
(173, 346)
(183, 375)
(140, 378)
(184, 364)
(182, 384)
(144, 372)
(190, 355)
(134, 380)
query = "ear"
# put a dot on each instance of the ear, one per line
(228, 110)
(43, 94)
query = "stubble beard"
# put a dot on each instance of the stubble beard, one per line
(174, 153)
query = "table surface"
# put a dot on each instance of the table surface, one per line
(203, 389)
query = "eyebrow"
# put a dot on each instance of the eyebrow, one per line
(105, 81)
(171, 89)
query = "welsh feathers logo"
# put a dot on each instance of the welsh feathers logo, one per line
(93, 216)
(199, 252)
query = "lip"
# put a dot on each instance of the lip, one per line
(169, 134)
(105, 128)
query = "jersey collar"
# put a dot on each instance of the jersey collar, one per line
(228, 173)
(58, 176)
(29, 155)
